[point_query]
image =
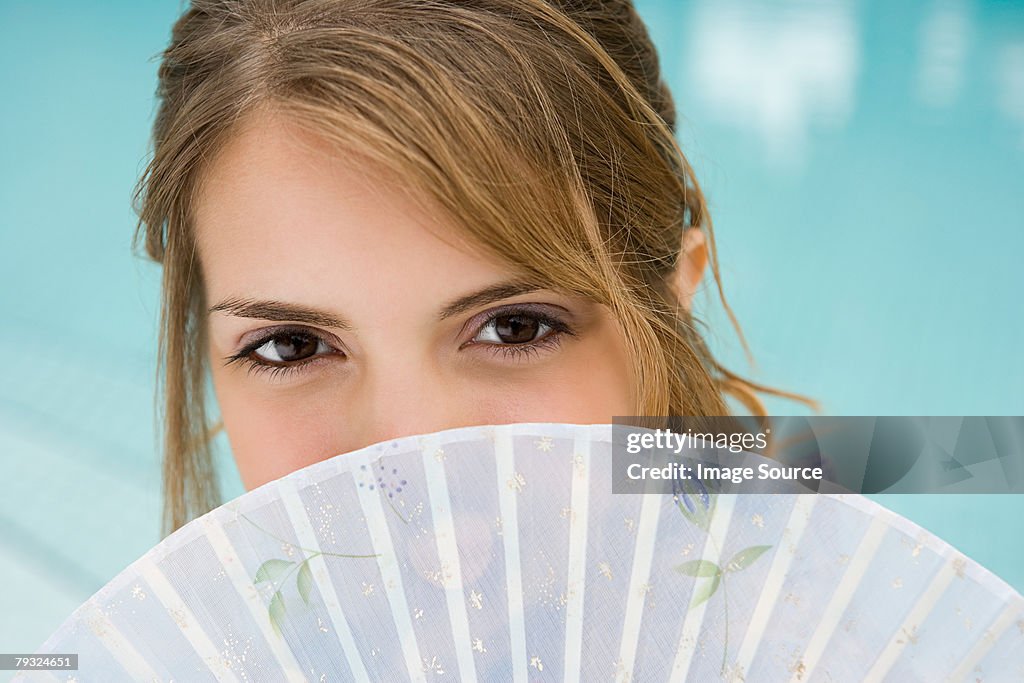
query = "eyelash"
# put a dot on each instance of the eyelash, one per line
(515, 352)
(521, 352)
(257, 366)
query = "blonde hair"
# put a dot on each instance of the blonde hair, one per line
(544, 130)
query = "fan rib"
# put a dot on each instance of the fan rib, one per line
(577, 570)
(190, 628)
(241, 580)
(724, 505)
(304, 532)
(505, 465)
(118, 646)
(866, 549)
(796, 525)
(1006, 617)
(391, 576)
(447, 547)
(916, 616)
(643, 556)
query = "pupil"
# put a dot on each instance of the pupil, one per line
(516, 329)
(294, 347)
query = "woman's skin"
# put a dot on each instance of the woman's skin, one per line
(389, 342)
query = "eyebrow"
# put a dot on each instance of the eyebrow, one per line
(279, 311)
(488, 295)
(282, 311)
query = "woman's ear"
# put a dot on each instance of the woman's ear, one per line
(693, 259)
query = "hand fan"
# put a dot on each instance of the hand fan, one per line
(500, 553)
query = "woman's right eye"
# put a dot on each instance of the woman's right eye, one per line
(284, 351)
(290, 347)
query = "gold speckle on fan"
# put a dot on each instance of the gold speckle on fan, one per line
(517, 482)
(959, 564)
(433, 665)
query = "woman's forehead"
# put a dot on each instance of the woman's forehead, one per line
(278, 216)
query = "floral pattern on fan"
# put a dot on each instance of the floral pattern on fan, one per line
(378, 477)
(275, 572)
(697, 504)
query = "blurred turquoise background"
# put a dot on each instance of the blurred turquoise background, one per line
(864, 164)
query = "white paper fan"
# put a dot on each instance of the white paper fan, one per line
(500, 553)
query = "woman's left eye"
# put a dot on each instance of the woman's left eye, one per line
(512, 329)
(512, 333)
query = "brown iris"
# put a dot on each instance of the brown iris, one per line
(516, 329)
(293, 347)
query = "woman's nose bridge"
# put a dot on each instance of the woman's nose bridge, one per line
(402, 400)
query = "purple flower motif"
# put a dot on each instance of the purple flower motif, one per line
(389, 482)
(685, 489)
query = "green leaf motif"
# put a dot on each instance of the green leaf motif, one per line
(277, 612)
(305, 581)
(706, 591)
(689, 515)
(745, 557)
(699, 568)
(271, 570)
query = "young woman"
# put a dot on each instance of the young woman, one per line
(379, 218)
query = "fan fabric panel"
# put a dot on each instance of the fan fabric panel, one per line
(500, 553)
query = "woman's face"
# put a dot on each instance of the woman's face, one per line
(341, 314)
